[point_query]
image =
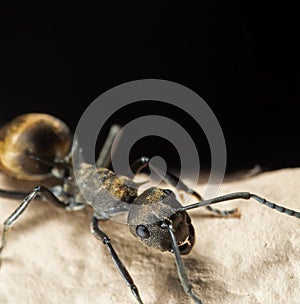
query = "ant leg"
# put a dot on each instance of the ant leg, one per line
(225, 213)
(12, 194)
(101, 236)
(143, 162)
(241, 195)
(185, 282)
(39, 190)
(104, 158)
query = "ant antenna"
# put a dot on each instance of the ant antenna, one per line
(241, 195)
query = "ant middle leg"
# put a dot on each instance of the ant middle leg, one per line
(143, 162)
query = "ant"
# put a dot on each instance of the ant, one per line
(36, 146)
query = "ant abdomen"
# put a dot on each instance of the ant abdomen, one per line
(38, 135)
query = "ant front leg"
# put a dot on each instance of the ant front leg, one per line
(39, 190)
(100, 235)
(143, 162)
(185, 282)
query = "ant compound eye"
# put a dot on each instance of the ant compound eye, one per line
(142, 232)
(167, 191)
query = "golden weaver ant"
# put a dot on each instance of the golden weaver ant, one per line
(36, 146)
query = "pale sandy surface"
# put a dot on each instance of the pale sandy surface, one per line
(51, 256)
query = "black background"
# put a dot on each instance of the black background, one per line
(241, 59)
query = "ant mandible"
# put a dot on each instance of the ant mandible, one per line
(35, 146)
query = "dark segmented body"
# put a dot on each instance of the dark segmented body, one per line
(109, 194)
(104, 190)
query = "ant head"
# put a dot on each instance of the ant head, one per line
(147, 217)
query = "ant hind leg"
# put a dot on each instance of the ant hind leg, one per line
(39, 190)
(143, 162)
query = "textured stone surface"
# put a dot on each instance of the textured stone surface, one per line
(52, 257)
